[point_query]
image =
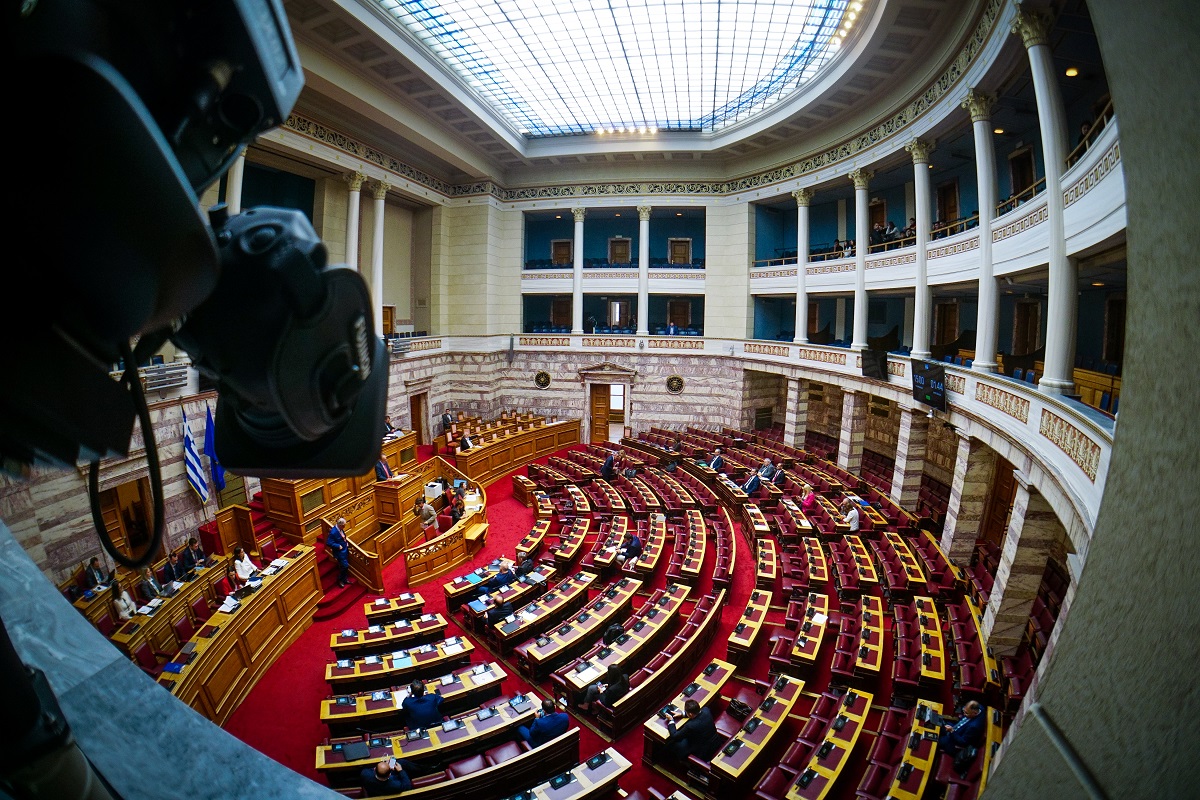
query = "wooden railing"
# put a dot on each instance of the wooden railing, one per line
(1009, 203)
(1092, 134)
(438, 556)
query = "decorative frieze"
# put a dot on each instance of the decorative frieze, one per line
(782, 351)
(685, 343)
(956, 384)
(1107, 164)
(763, 274)
(546, 275)
(830, 269)
(893, 261)
(544, 341)
(965, 246)
(825, 357)
(678, 274)
(608, 341)
(1015, 406)
(425, 344)
(1072, 441)
(1021, 225)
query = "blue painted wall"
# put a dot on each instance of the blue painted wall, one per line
(597, 231)
(774, 232)
(822, 224)
(539, 234)
(656, 306)
(774, 318)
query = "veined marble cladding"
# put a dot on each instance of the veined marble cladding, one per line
(485, 384)
(763, 390)
(49, 513)
(941, 450)
(825, 409)
(974, 471)
(882, 430)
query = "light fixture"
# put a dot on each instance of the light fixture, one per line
(997, 131)
(679, 213)
(558, 216)
(1098, 283)
(931, 166)
(1072, 72)
(616, 215)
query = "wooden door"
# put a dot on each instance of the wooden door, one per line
(679, 312)
(110, 512)
(1026, 325)
(999, 506)
(389, 320)
(878, 212)
(562, 251)
(599, 412)
(945, 325)
(618, 251)
(947, 202)
(814, 323)
(1020, 167)
(619, 313)
(417, 404)
(679, 251)
(560, 311)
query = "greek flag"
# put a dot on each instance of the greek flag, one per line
(191, 460)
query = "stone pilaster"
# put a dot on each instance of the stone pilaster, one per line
(974, 471)
(356, 180)
(920, 151)
(853, 431)
(795, 421)
(1033, 528)
(579, 213)
(911, 441)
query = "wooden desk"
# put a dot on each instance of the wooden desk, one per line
(826, 769)
(570, 541)
(811, 631)
(156, 628)
(652, 549)
(553, 648)
(839, 526)
(745, 632)
(729, 492)
(521, 591)
(933, 645)
(490, 460)
(464, 587)
(588, 783)
(401, 634)
(707, 687)
(630, 646)
(579, 500)
(612, 501)
(548, 476)
(344, 714)
(878, 521)
(233, 650)
(697, 546)
(523, 489)
(753, 518)
(604, 551)
(399, 667)
(912, 567)
(646, 498)
(801, 527)
(405, 605)
(870, 643)
(441, 744)
(818, 568)
(990, 670)
(867, 576)
(733, 770)
(921, 760)
(543, 508)
(766, 570)
(552, 608)
(532, 541)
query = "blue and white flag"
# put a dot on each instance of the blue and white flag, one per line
(191, 461)
(210, 450)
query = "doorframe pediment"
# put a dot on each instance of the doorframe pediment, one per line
(607, 372)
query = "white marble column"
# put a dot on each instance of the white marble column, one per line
(577, 273)
(643, 308)
(988, 322)
(974, 470)
(1061, 303)
(862, 237)
(380, 193)
(795, 417)
(923, 306)
(854, 431)
(1033, 529)
(911, 446)
(803, 199)
(356, 181)
(233, 186)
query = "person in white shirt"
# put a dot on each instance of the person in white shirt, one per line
(242, 563)
(850, 512)
(122, 604)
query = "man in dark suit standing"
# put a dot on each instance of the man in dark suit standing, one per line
(609, 470)
(382, 470)
(549, 724)
(336, 544)
(967, 732)
(447, 422)
(422, 710)
(694, 737)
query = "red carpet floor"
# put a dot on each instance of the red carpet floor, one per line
(296, 681)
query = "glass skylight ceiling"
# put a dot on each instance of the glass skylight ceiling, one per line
(603, 66)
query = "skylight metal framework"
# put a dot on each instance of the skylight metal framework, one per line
(602, 66)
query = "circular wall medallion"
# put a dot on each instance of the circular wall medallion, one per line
(542, 379)
(674, 384)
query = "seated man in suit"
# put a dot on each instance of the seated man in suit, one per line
(174, 570)
(694, 737)
(752, 483)
(498, 581)
(388, 427)
(389, 776)
(193, 556)
(549, 723)
(499, 612)
(94, 575)
(630, 548)
(717, 462)
(422, 710)
(609, 470)
(465, 443)
(779, 479)
(967, 732)
(767, 469)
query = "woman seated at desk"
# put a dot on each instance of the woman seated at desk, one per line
(245, 568)
(123, 606)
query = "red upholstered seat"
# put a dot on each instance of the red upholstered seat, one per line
(184, 630)
(429, 780)
(269, 552)
(777, 781)
(201, 609)
(875, 783)
(826, 706)
(887, 751)
(467, 766)
(505, 752)
(104, 624)
(797, 755)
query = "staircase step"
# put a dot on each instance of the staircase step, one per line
(338, 601)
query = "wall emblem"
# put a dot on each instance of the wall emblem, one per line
(675, 384)
(542, 379)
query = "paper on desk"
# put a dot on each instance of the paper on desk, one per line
(819, 618)
(144, 609)
(177, 585)
(381, 601)
(528, 617)
(156, 602)
(588, 675)
(453, 649)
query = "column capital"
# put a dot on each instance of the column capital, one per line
(803, 197)
(381, 189)
(356, 180)
(1032, 26)
(979, 104)
(920, 150)
(644, 213)
(861, 177)
(579, 213)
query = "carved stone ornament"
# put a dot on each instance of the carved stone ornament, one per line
(1032, 26)
(579, 213)
(919, 149)
(644, 213)
(979, 104)
(803, 196)
(861, 177)
(675, 384)
(356, 181)
(542, 379)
